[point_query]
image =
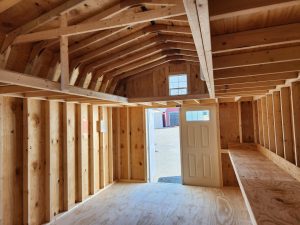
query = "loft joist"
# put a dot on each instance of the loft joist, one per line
(43, 84)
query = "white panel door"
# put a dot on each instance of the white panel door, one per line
(200, 146)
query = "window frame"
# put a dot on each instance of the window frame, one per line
(187, 84)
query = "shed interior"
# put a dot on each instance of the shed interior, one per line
(77, 75)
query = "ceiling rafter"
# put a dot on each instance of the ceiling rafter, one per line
(256, 38)
(123, 6)
(142, 17)
(257, 78)
(135, 49)
(280, 67)
(6, 4)
(259, 57)
(138, 61)
(249, 84)
(141, 62)
(106, 14)
(141, 53)
(121, 42)
(145, 31)
(41, 20)
(142, 70)
(219, 10)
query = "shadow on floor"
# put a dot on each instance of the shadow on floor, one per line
(174, 179)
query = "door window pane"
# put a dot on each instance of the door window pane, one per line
(199, 115)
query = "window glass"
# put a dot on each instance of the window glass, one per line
(178, 84)
(199, 115)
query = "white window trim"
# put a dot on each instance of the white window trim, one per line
(187, 84)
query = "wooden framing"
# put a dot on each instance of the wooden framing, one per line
(285, 98)
(42, 84)
(270, 118)
(197, 12)
(116, 22)
(295, 96)
(260, 128)
(265, 122)
(66, 67)
(278, 123)
(64, 57)
(51, 15)
(256, 38)
(69, 133)
(238, 8)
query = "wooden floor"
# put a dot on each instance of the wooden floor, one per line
(156, 204)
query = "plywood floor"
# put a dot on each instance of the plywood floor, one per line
(160, 204)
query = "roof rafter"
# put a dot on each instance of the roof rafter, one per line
(257, 78)
(136, 49)
(148, 68)
(44, 18)
(225, 9)
(273, 68)
(256, 38)
(138, 61)
(142, 17)
(6, 4)
(158, 47)
(138, 34)
(257, 58)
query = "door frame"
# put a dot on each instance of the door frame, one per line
(201, 107)
(148, 174)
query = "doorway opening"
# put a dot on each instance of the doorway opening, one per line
(163, 138)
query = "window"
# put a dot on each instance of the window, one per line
(178, 84)
(200, 115)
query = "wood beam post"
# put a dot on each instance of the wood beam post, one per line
(278, 123)
(54, 157)
(285, 96)
(94, 148)
(69, 155)
(125, 172)
(270, 121)
(64, 55)
(110, 145)
(265, 121)
(34, 162)
(260, 122)
(1, 161)
(295, 88)
(82, 152)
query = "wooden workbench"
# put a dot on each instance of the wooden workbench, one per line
(272, 196)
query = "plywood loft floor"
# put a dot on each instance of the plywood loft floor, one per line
(160, 204)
